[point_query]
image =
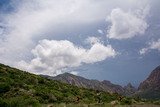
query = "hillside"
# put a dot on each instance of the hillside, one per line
(104, 85)
(19, 88)
(129, 90)
(150, 88)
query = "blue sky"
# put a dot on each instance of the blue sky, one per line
(113, 40)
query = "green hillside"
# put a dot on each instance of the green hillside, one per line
(19, 88)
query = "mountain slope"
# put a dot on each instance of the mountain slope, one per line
(150, 88)
(129, 90)
(90, 84)
(19, 88)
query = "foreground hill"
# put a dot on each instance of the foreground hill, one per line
(104, 85)
(19, 88)
(150, 88)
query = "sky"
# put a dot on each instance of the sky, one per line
(115, 40)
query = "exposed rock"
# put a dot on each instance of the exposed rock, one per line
(152, 82)
(150, 88)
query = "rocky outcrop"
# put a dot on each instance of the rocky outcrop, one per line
(150, 88)
(152, 82)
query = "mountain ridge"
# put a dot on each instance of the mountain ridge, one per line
(150, 87)
(104, 85)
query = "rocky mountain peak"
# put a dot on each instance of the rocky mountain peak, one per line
(150, 88)
(129, 85)
(153, 81)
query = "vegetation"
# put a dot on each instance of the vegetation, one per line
(20, 89)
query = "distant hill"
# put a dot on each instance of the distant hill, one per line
(19, 88)
(105, 85)
(150, 88)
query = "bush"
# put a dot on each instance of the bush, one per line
(4, 87)
(126, 101)
(20, 89)
(32, 102)
(19, 102)
(2, 103)
(156, 102)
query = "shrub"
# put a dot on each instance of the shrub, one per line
(2, 103)
(157, 102)
(126, 101)
(4, 87)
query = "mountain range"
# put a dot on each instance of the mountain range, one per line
(149, 88)
(86, 83)
(19, 88)
(104, 85)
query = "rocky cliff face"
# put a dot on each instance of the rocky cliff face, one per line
(152, 82)
(150, 88)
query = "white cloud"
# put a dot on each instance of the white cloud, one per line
(126, 25)
(155, 45)
(52, 57)
(143, 51)
(100, 31)
(92, 40)
(74, 73)
(99, 52)
(33, 20)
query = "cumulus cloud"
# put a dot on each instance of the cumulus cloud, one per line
(155, 45)
(53, 57)
(34, 18)
(128, 24)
